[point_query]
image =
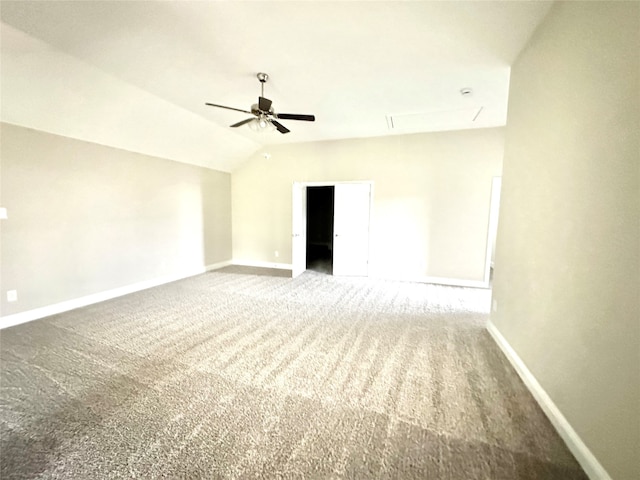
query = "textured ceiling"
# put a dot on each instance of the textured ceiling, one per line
(136, 75)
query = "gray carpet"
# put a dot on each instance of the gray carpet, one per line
(229, 375)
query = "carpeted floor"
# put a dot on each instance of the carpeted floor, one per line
(229, 375)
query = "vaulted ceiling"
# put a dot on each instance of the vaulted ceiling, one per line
(136, 75)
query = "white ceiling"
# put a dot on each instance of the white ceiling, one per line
(136, 75)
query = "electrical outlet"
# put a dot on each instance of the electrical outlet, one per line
(12, 295)
(276, 253)
(3, 213)
(494, 305)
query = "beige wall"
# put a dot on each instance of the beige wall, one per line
(85, 218)
(431, 199)
(567, 277)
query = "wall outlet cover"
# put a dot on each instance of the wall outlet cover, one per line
(12, 295)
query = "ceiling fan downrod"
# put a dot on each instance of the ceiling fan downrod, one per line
(263, 77)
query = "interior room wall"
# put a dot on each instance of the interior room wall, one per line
(85, 218)
(431, 199)
(567, 275)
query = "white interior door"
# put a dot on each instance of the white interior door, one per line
(352, 203)
(299, 230)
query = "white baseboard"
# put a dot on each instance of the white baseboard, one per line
(584, 456)
(260, 264)
(453, 282)
(435, 280)
(37, 313)
(216, 266)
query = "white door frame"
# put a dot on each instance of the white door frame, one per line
(301, 247)
(494, 209)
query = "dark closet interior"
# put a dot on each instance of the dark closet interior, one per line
(320, 229)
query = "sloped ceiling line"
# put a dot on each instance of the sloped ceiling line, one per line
(137, 74)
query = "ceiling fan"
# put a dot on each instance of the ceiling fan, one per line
(263, 112)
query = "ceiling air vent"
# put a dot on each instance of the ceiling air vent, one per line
(437, 120)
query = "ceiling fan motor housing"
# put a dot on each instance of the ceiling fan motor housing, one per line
(255, 109)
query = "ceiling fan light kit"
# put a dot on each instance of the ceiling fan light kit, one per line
(260, 124)
(264, 117)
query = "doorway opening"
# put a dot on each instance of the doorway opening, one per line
(337, 224)
(320, 221)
